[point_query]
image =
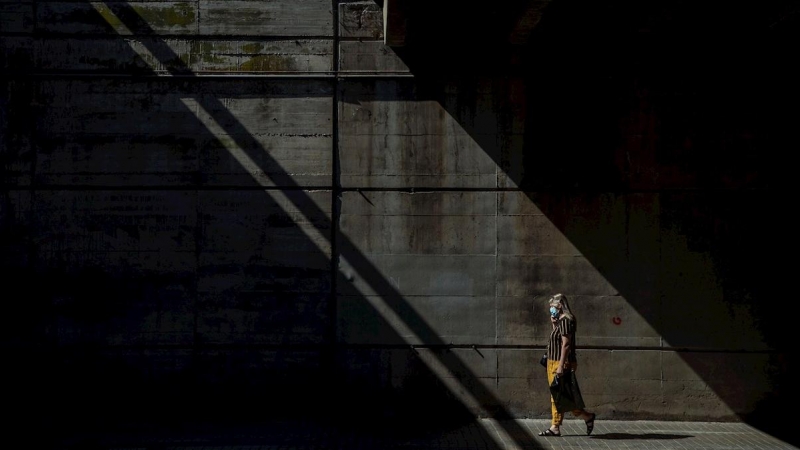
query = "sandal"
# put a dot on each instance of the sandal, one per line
(590, 425)
(548, 432)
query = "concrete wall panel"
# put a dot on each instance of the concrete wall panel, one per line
(392, 136)
(522, 382)
(423, 223)
(117, 265)
(469, 376)
(523, 320)
(98, 222)
(533, 275)
(266, 18)
(172, 378)
(741, 379)
(369, 56)
(638, 383)
(264, 267)
(469, 275)
(163, 132)
(16, 133)
(16, 17)
(361, 20)
(217, 231)
(282, 244)
(433, 320)
(242, 316)
(523, 229)
(117, 18)
(453, 384)
(142, 55)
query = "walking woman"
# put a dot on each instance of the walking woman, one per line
(560, 358)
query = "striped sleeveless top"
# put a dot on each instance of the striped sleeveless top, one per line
(564, 326)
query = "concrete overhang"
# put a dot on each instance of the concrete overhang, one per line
(509, 23)
(395, 22)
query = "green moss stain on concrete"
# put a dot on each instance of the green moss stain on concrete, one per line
(157, 16)
(179, 15)
(268, 63)
(208, 53)
(243, 57)
(253, 48)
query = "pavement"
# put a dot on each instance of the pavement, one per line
(485, 434)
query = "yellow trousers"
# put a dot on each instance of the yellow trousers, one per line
(552, 367)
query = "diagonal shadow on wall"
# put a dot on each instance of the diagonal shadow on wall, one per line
(86, 368)
(648, 144)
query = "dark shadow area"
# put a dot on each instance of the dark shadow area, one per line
(675, 114)
(245, 268)
(310, 378)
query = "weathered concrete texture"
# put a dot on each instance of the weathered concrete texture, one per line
(411, 275)
(117, 266)
(253, 317)
(16, 133)
(141, 55)
(117, 18)
(605, 321)
(741, 379)
(424, 320)
(206, 17)
(271, 18)
(451, 383)
(635, 383)
(121, 132)
(138, 229)
(407, 235)
(126, 266)
(187, 385)
(262, 241)
(16, 17)
(361, 20)
(370, 56)
(429, 223)
(392, 135)
(192, 241)
(538, 275)
(663, 383)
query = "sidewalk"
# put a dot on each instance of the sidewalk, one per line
(485, 434)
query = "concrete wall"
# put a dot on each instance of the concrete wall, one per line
(210, 201)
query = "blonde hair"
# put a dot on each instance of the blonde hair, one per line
(562, 300)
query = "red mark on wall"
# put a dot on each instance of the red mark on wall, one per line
(616, 320)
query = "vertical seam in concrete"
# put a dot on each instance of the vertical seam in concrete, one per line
(496, 280)
(335, 186)
(198, 235)
(198, 214)
(31, 93)
(661, 371)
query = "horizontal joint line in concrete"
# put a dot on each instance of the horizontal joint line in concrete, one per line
(546, 191)
(359, 39)
(424, 190)
(38, 34)
(320, 346)
(25, 187)
(77, 187)
(168, 75)
(205, 75)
